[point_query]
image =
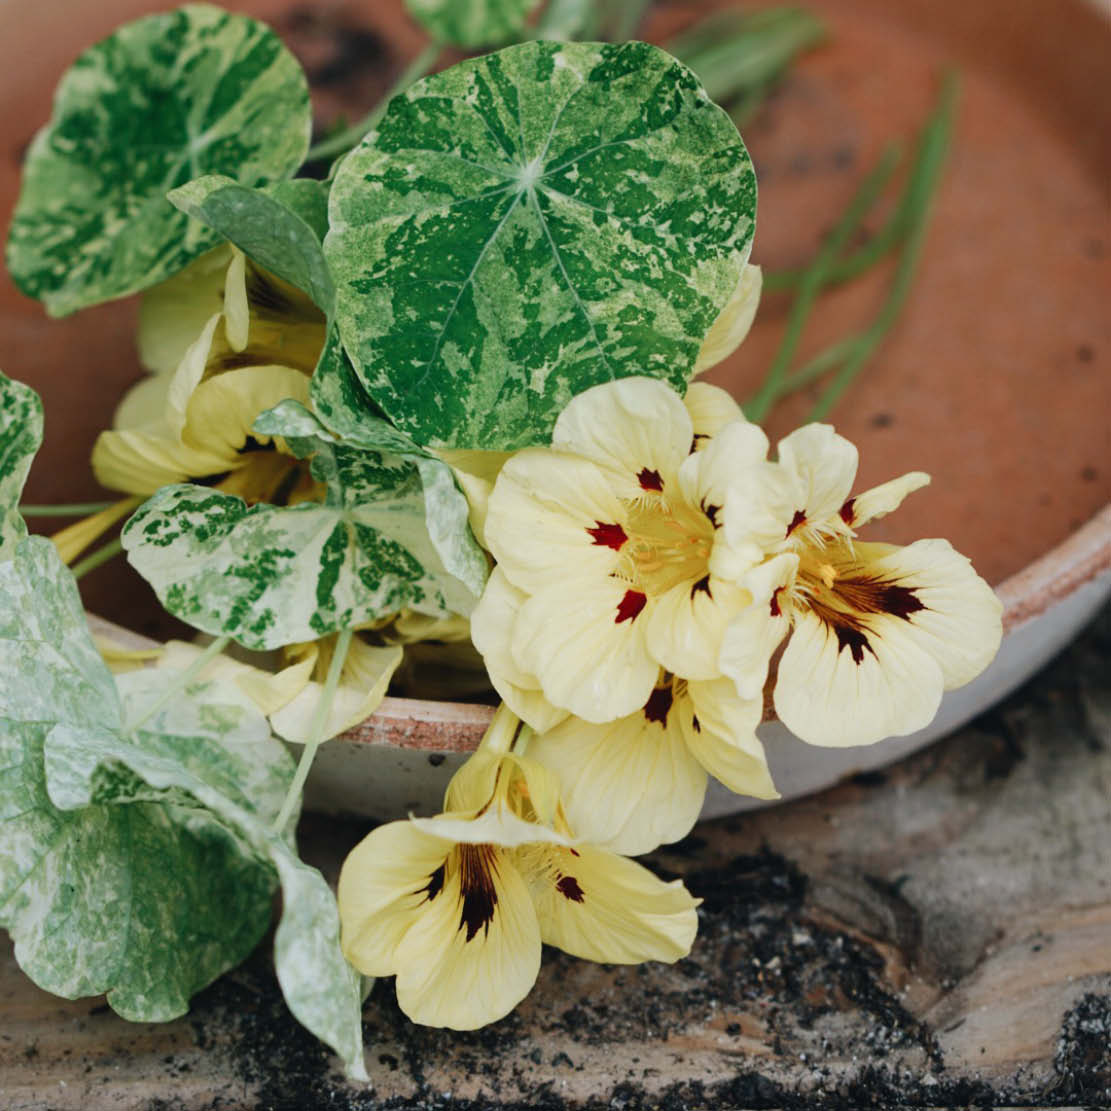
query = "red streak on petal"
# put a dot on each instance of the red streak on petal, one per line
(848, 511)
(650, 480)
(776, 611)
(798, 519)
(569, 888)
(608, 536)
(630, 606)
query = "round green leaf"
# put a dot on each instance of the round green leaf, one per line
(472, 23)
(163, 100)
(529, 224)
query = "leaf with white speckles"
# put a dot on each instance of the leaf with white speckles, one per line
(210, 745)
(163, 100)
(472, 23)
(148, 902)
(529, 224)
(20, 438)
(280, 228)
(272, 575)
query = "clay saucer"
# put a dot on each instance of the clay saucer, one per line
(995, 380)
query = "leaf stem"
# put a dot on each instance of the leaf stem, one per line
(920, 193)
(80, 509)
(815, 278)
(316, 737)
(102, 555)
(180, 682)
(347, 138)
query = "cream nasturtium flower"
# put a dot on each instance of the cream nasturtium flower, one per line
(457, 906)
(255, 343)
(633, 784)
(877, 632)
(612, 558)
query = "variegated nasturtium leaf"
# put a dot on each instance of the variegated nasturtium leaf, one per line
(20, 437)
(472, 23)
(148, 902)
(139, 858)
(210, 745)
(275, 575)
(163, 100)
(529, 224)
(341, 403)
(279, 226)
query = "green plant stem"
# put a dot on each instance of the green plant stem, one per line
(853, 265)
(923, 183)
(815, 279)
(316, 737)
(347, 138)
(102, 555)
(181, 681)
(81, 509)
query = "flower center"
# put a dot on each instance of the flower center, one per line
(669, 543)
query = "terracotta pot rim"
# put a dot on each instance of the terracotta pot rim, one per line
(421, 724)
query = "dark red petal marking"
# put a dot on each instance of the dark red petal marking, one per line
(854, 639)
(696, 724)
(569, 888)
(477, 864)
(694, 441)
(848, 511)
(776, 611)
(711, 512)
(434, 886)
(658, 706)
(650, 480)
(866, 595)
(630, 606)
(608, 536)
(702, 585)
(798, 519)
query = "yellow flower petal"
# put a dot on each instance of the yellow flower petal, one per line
(587, 647)
(629, 785)
(711, 408)
(733, 322)
(686, 626)
(144, 404)
(543, 518)
(172, 314)
(364, 680)
(384, 886)
(636, 428)
(474, 952)
(492, 630)
(722, 737)
(881, 500)
(237, 314)
(603, 907)
(823, 465)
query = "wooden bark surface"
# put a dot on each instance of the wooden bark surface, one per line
(938, 934)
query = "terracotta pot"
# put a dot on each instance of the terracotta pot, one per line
(995, 380)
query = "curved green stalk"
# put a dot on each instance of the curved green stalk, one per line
(923, 182)
(80, 509)
(814, 280)
(316, 737)
(101, 555)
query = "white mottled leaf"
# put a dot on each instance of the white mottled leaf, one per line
(20, 438)
(527, 225)
(161, 101)
(272, 575)
(472, 23)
